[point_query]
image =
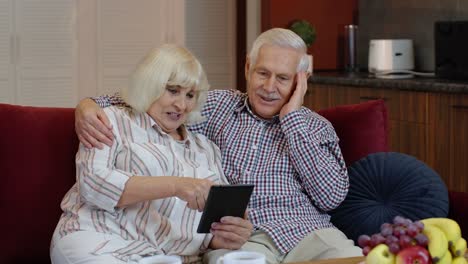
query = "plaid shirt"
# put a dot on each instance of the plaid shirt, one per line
(295, 164)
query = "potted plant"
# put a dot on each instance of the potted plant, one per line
(306, 31)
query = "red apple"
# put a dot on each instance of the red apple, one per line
(413, 255)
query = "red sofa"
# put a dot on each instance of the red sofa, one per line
(37, 162)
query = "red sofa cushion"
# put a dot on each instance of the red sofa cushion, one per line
(37, 161)
(362, 128)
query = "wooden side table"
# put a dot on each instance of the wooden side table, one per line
(353, 260)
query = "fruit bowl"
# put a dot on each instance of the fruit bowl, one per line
(431, 240)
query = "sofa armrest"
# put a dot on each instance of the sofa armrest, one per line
(37, 161)
(458, 210)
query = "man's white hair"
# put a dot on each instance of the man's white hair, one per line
(283, 38)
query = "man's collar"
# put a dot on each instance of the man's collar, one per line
(246, 106)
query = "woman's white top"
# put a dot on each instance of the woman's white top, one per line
(164, 226)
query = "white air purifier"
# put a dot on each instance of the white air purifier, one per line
(391, 58)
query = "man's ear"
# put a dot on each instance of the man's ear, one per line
(247, 67)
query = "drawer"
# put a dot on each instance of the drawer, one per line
(391, 98)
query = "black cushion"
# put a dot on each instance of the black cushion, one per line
(384, 185)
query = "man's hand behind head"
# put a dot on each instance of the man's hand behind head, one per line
(92, 125)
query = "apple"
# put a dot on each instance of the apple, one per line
(413, 255)
(380, 255)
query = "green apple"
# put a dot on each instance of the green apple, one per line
(380, 255)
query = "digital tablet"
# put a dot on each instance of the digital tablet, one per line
(224, 200)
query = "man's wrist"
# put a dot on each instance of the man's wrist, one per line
(292, 122)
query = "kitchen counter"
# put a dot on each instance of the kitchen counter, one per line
(422, 84)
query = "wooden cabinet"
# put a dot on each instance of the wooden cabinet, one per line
(448, 138)
(413, 124)
(317, 97)
(459, 143)
(391, 98)
(432, 127)
(326, 96)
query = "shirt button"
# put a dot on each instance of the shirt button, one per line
(247, 173)
(254, 146)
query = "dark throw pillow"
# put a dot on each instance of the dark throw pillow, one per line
(384, 185)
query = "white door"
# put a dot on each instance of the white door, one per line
(127, 31)
(45, 59)
(55, 52)
(6, 52)
(210, 29)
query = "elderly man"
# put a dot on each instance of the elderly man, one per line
(267, 138)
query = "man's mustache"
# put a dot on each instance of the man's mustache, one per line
(267, 95)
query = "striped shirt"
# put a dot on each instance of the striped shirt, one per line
(163, 226)
(295, 163)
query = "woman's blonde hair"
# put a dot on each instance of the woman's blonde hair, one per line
(168, 65)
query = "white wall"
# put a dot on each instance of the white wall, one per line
(253, 21)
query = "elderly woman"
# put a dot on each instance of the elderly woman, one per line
(144, 195)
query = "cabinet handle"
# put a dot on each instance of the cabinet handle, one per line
(373, 98)
(464, 107)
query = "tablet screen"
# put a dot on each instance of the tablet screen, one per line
(224, 200)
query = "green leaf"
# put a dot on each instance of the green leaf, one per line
(305, 30)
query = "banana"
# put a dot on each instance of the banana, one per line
(459, 248)
(459, 260)
(446, 259)
(438, 244)
(450, 227)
